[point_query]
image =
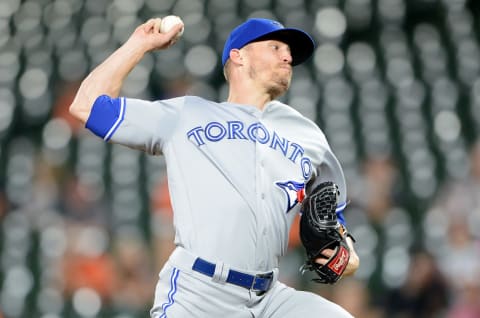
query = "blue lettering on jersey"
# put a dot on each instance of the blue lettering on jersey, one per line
(256, 132)
(195, 133)
(215, 131)
(297, 151)
(294, 191)
(306, 165)
(278, 141)
(235, 130)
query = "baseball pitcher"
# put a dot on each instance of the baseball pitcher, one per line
(238, 172)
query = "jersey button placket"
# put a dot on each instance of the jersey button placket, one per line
(262, 168)
(261, 195)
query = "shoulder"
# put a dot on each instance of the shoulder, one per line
(198, 101)
(283, 112)
(183, 103)
(194, 103)
(300, 126)
(282, 109)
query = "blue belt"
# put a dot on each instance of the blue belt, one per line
(255, 283)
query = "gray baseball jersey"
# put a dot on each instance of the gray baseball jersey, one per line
(235, 173)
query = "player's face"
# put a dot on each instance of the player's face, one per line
(270, 65)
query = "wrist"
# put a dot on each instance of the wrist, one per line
(135, 48)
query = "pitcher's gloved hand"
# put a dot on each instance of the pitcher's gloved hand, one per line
(320, 231)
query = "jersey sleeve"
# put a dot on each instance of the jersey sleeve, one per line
(135, 123)
(328, 168)
(331, 170)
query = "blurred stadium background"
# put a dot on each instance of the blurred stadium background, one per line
(395, 85)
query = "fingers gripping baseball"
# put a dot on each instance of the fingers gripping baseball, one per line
(152, 37)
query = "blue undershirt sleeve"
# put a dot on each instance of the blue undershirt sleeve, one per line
(340, 217)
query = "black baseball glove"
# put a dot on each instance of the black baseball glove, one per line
(320, 230)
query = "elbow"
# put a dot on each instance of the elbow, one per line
(78, 112)
(82, 105)
(73, 109)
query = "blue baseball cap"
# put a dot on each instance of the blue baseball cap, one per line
(256, 29)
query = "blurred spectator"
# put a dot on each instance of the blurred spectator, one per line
(468, 302)
(461, 196)
(460, 257)
(46, 185)
(136, 276)
(424, 293)
(382, 222)
(86, 262)
(451, 224)
(3, 204)
(79, 203)
(67, 91)
(450, 229)
(353, 295)
(379, 188)
(162, 223)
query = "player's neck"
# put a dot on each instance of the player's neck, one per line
(249, 96)
(249, 100)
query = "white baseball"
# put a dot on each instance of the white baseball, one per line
(169, 22)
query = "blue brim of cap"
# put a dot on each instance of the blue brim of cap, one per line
(300, 43)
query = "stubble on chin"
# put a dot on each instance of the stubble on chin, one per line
(278, 85)
(278, 88)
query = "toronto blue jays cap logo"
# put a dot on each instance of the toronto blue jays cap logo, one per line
(278, 24)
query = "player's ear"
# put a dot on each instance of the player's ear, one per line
(236, 56)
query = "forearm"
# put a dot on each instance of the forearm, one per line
(354, 261)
